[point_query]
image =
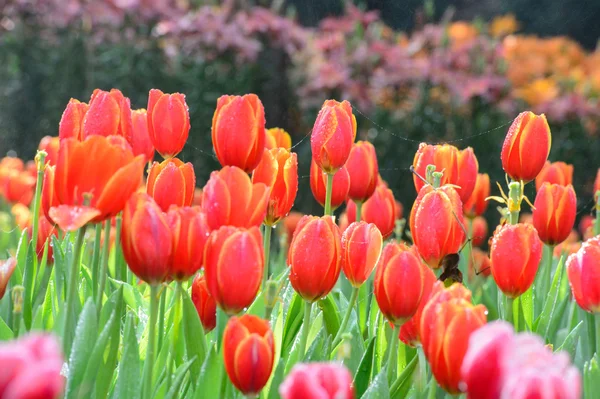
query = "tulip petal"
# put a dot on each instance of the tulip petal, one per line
(71, 218)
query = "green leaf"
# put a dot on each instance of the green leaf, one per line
(59, 269)
(378, 388)
(319, 349)
(47, 314)
(28, 279)
(557, 317)
(178, 380)
(402, 385)
(5, 331)
(257, 307)
(543, 323)
(210, 376)
(364, 298)
(22, 249)
(85, 334)
(105, 375)
(569, 345)
(363, 374)
(526, 302)
(133, 297)
(331, 314)
(591, 378)
(276, 381)
(195, 341)
(373, 325)
(292, 324)
(128, 381)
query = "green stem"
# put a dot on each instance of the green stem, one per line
(96, 259)
(151, 347)
(515, 195)
(267, 249)
(176, 324)
(508, 309)
(597, 221)
(359, 205)
(591, 330)
(597, 317)
(120, 267)
(41, 293)
(104, 266)
(72, 294)
(305, 330)
(391, 370)
(346, 318)
(161, 319)
(223, 388)
(547, 273)
(37, 200)
(16, 323)
(328, 191)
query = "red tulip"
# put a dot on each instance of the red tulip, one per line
(364, 171)
(46, 230)
(71, 122)
(22, 215)
(555, 173)
(248, 353)
(19, 187)
(290, 222)
(361, 248)
(333, 135)
(380, 210)
(278, 138)
(168, 120)
(140, 137)
(230, 199)
(318, 380)
(171, 182)
(315, 257)
(49, 198)
(583, 271)
(233, 267)
(341, 184)
(7, 268)
(50, 145)
(526, 146)
(554, 213)
(480, 231)
(109, 114)
(479, 264)
(278, 170)
(146, 239)
(204, 303)
(190, 233)
(477, 204)
(586, 226)
(516, 252)
(238, 131)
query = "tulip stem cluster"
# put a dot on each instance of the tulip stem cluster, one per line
(329, 190)
(267, 248)
(349, 309)
(150, 349)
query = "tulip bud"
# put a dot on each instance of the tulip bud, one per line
(204, 303)
(168, 120)
(583, 271)
(333, 135)
(140, 138)
(238, 131)
(477, 204)
(516, 252)
(248, 353)
(526, 146)
(318, 182)
(71, 122)
(278, 138)
(380, 210)
(555, 173)
(233, 267)
(315, 257)
(318, 380)
(364, 171)
(554, 213)
(7, 267)
(190, 233)
(50, 146)
(171, 182)
(109, 114)
(361, 248)
(480, 231)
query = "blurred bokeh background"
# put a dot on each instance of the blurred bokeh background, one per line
(414, 70)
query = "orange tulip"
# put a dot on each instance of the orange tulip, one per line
(45, 232)
(515, 254)
(190, 233)
(480, 231)
(278, 170)
(238, 131)
(333, 135)
(318, 182)
(583, 271)
(479, 264)
(146, 239)
(476, 205)
(49, 198)
(20, 186)
(71, 122)
(555, 173)
(204, 303)
(140, 137)
(459, 167)
(171, 182)
(7, 268)
(248, 353)
(276, 137)
(50, 145)
(109, 114)
(233, 266)
(230, 199)
(361, 248)
(364, 171)
(554, 212)
(22, 215)
(168, 122)
(398, 284)
(290, 222)
(380, 210)
(526, 146)
(315, 257)
(410, 332)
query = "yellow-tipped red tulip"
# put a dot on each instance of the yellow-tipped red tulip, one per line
(477, 204)
(555, 173)
(361, 248)
(583, 271)
(363, 170)
(168, 120)
(171, 182)
(554, 213)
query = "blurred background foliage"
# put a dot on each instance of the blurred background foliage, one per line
(434, 71)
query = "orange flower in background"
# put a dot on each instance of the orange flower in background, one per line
(399, 210)
(480, 231)
(290, 222)
(190, 233)
(146, 239)
(108, 114)
(50, 145)
(238, 131)
(526, 217)
(140, 137)
(22, 215)
(278, 170)
(459, 167)
(168, 121)
(515, 253)
(7, 268)
(555, 173)
(568, 246)
(526, 146)
(318, 182)
(398, 284)
(586, 226)
(93, 179)
(461, 33)
(583, 271)
(539, 91)
(71, 122)
(19, 187)
(230, 199)
(204, 303)
(248, 353)
(361, 248)
(233, 267)
(477, 204)
(448, 320)
(479, 264)
(364, 171)
(315, 257)
(276, 137)
(380, 210)
(436, 223)
(332, 135)
(554, 213)
(503, 25)
(49, 198)
(410, 332)
(171, 182)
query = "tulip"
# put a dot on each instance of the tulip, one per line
(363, 170)
(380, 210)
(22, 215)
(233, 266)
(586, 226)
(583, 271)
(278, 138)
(448, 320)
(171, 182)
(168, 122)
(248, 353)
(290, 222)
(109, 114)
(477, 204)
(480, 231)
(315, 257)
(49, 198)
(278, 170)
(555, 173)
(526, 146)
(230, 199)
(554, 212)
(399, 210)
(71, 122)
(436, 223)
(190, 233)
(333, 135)
(46, 230)
(146, 239)
(361, 248)
(238, 131)
(341, 185)
(50, 146)
(140, 137)
(459, 167)
(19, 187)
(318, 380)
(515, 254)
(204, 303)
(7, 267)
(479, 264)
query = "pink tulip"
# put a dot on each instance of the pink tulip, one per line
(318, 381)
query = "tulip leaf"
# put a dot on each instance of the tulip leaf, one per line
(364, 298)
(403, 383)
(28, 278)
(292, 323)
(208, 384)
(557, 317)
(106, 372)
(257, 307)
(21, 256)
(331, 314)
(5, 331)
(569, 345)
(86, 333)
(59, 268)
(179, 377)
(373, 312)
(195, 341)
(133, 297)
(591, 378)
(129, 375)
(543, 323)
(357, 349)
(46, 309)
(378, 388)
(318, 350)
(526, 302)
(363, 374)
(276, 381)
